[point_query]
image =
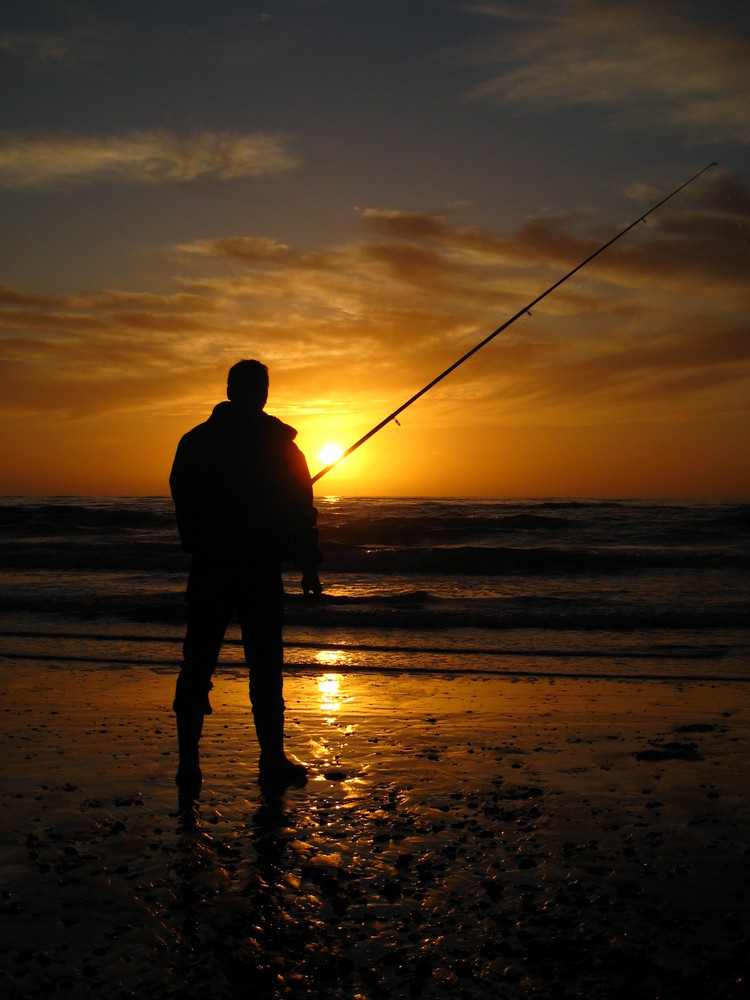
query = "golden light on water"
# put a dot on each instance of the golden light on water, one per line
(332, 658)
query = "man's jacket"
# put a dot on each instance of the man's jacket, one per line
(241, 488)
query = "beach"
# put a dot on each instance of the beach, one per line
(469, 836)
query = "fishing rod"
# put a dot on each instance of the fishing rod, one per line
(521, 312)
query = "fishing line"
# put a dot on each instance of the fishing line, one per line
(521, 312)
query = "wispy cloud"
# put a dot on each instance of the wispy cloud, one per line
(642, 64)
(49, 36)
(42, 48)
(157, 157)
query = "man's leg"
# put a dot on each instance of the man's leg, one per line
(209, 606)
(261, 614)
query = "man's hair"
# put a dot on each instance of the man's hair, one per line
(247, 383)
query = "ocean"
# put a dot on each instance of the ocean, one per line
(520, 588)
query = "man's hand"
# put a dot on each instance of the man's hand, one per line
(311, 587)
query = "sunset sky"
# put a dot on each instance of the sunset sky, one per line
(355, 192)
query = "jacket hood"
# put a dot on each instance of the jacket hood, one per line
(225, 417)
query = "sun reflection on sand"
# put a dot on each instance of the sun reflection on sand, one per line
(334, 699)
(329, 686)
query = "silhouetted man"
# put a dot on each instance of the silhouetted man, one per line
(244, 504)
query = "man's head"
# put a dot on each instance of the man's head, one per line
(247, 384)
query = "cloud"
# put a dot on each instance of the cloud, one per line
(667, 366)
(42, 160)
(50, 36)
(41, 48)
(658, 322)
(409, 225)
(455, 277)
(642, 64)
(248, 249)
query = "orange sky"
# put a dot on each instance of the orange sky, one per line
(358, 256)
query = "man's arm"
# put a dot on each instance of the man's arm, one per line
(180, 488)
(305, 552)
(188, 484)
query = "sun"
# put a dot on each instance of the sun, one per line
(330, 453)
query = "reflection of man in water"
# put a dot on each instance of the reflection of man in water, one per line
(243, 501)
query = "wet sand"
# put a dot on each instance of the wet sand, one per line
(459, 837)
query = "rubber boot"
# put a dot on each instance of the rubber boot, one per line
(276, 771)
(189, 777)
